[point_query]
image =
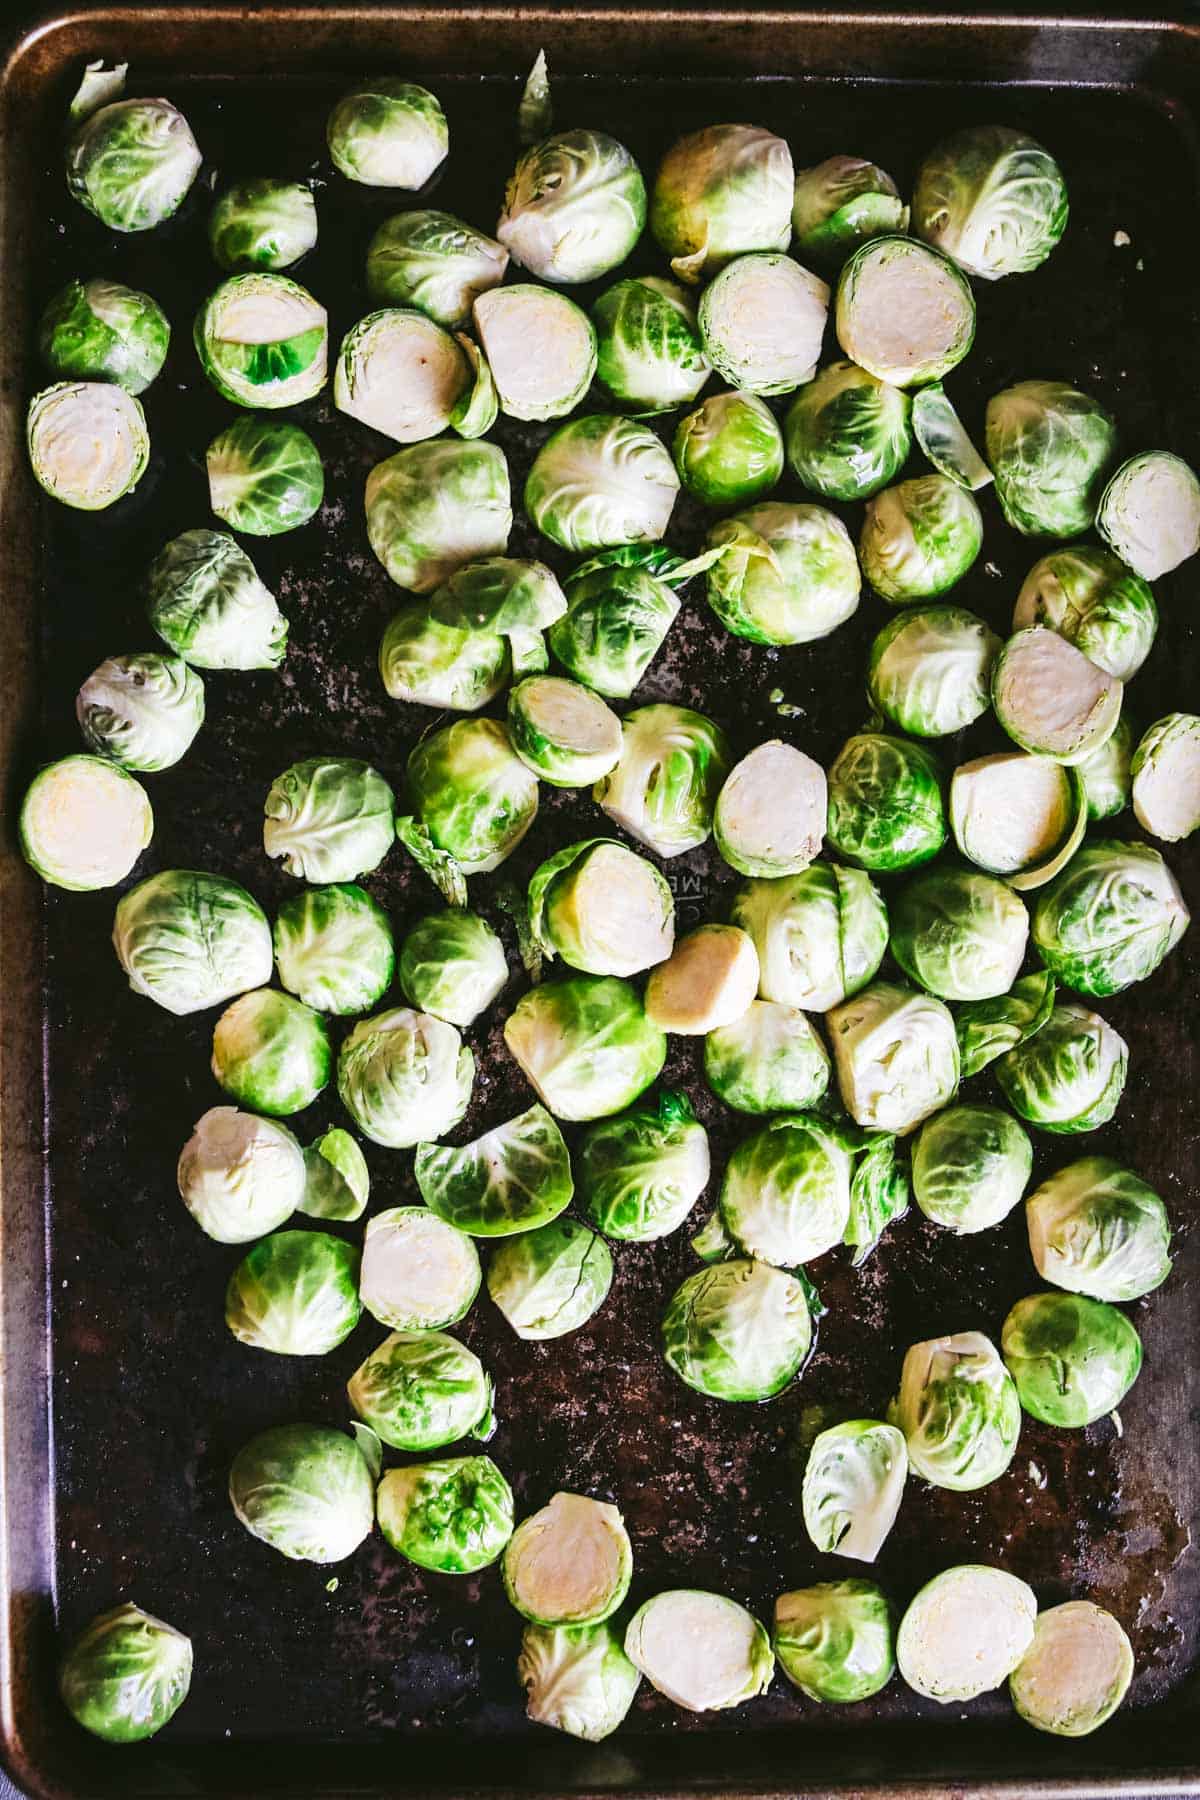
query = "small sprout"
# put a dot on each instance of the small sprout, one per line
(1073, 1359)
(577, 1678)
(767, 1061)
(422, 1389)
(601, 480)
(189, 941)
(987, 1028)
(930, 671)
(904, 312)
(959, 934)
(400, 374)
(640, 1174)
(729, 451)
(701, 1650)
(545, 386)
(709, 980)
(433, 506)
(940, 433)
(240, 1176)
(1096, 1229)
(141, 711)
(1110, 918)
(788, 573)
(1076, 1671)
(1048, 446)
(835, 1641)
(761, 323)
(295, 1294)
(770, 814)
(334, 948)
(820, 935)
(512, 1179)
(719, 193)
(1090, 598)
(585, 1046)
(991, 198)
(306, 1491)
(472, 792)
(454, 1516)
(965, 1632)
(125, 1675)
(1150, 513)
(206, 602)
(418, 1272)
(896, 1056)
(840, 204)
(262, 340)
(1018, 815)
(435, 262)
(919, 538)
(847, 433)
(103, 331)
(264, 476)
(388, 133)
(1070, 1076)
(88, 443)
(329, 819)
(970, 1166)
(452, 965)
(616, 621)
(535, 114)
(738, 1330)
(563, 731)
(664, 789)
(1051, 699)
(853, 1485)
(958, 1410)
(602, 908)
(84, 822)
(785, 1198)
(574, 207)
(262, 224)
(550, 1281)
(404, 1077)
(1165, 773)
(336, 1180)
(885, 803)
(131, 162)
(271, 1052)
(569, 1564)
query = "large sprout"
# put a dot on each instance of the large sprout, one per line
(189, 940)
(885, 803)
(820, 935)
(125, 1675)
(904, 312)
(970, 1167)
(452, 965)
(761, 323)
(600, 481)
(388, 133)
(404, 1077)
(585, 1046)
(205, 600)
(563, 731)
(602, 908)
(721, 192)
(1089, 597)
(264, 476)
(1017, 815)
(987, 1028)
(100, 330)
(730, 450)
(770, 814)
(651, 358)
(1150, 513)
(1110, 918)
(574, 207)
(399, 373)
(88, 443)
(847, 433)
(701, 1650)
(262, 340)
(131, 163)
(336, 1179)
(835, 1641)
(641, 1173)
(454, 1516)
(709, 980)
(1070, 1075)
(919, 538)
(142, 711)
(1075, 1673)
(853, 1485)
(262, 224)
(551, 1280)
(896, 1056)
(418, 1272)
(1051, 699)
(240, 1176)
(271, 1052)
(739, 1330)
(1165, 773)
(329, 819)
(1097, 1229)
(959, 1412)
(334, 948)
(991, 198)
(422, 1389)
(663, 790)
(552, 383)
(1073, 1359)
(616, 620)
(577, 1678)
(514, 1178)
(965, 1632)
(959, 934)
(841, 203)
(295, 1294)
(434, 506)
(435, 262)
(769, 1060)
(569, 1564)
(785, 1198)
(787, 573)
(472, 793)
(930, 670)
(1048, 446)
(84, 823)
(305, 1490)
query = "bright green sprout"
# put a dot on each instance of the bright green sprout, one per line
(1070, 1075)
(329, 819)
(835, 1641)
(820, 935)
(847, 433)
(132, 163)
(577, 1678)
(336, 1179)
(454, 1516)
(970, 1166)
(514, 1178)
(853, 1485)
(601, 480)
(334, 948)
(100, 330)
(1073, 1359)
(738, 1330)
(930, 670)
(404, 1077)
(885, 803)
(189, 940)
(551, 1280)
(959, 934)
(919, 538)
(264, 476)
(959, 1412)
(1089, 597)
(125, 1675)
(305, 1490)
(422, 1389)
(1110, 918)
(729, 451)
(896, 1056)
(1049, 447)
(1097, 1229)
(842, 203)
(452, 965)
(435, 262)
(432, 507)
(271, 1052)
(263, 224)
(262, 340)
(991, 198)
(641, 1173)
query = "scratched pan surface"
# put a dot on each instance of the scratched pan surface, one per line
(397, 1678)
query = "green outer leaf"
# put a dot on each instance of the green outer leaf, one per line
(879, 1195)
(940, 433)
(441, 868)
(514, 1178)
(535, 114)
(987, 1028)
(336, 1181)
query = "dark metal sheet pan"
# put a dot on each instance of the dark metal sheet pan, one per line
(114, 1468)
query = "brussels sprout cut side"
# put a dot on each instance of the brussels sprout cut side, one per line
(329, 819)
(786, 574)
(1166, 778)
(1089, 597)
(142, 712)
(761, 322)
(336, 1180)
(919, 538)
(1051, 699)
(959, 934)
(546, 385)
(400, 374)
(1020, 816)
(769, 818)
(454, 1517)
(835, 1641)
(262, 224)
(262, 340)
(993, 199)
(965, 1632)
(721, 192)
(132, 163)
(577, 1678)
(729, 450)
(739, 1330)
(640, 1174)
(190, 941)
(404, 1077)
(306, 1491)
(574, 207)
(1073, 1359)
(970, 1166)
(334, 949)
(432, 507)
(1096, 1229)
(271, 1052)
(1110, 918)
(264, 476)
(840, 204)
(665, 787)
(295, 1294)
(930, 671)
(785, 1198)
(418, 1273)
(601, 481)
(206, 602)
(88, 443)
(602, 908)
(709, 980)
(1150, 513)
(701, 1650)
(1048, 446)
(904, 312)
(435, 262)
(549, 1281)
(563, 731)
(512, 1179)
(885, 803)
(388, 133)
(84, 822)
(240, 1176)
(125, 1675)
(103, 331)
(422, 1389)
(847, 433)
(768, 1060)
(1076, 1671)
(853, 1485)
(960, 1414)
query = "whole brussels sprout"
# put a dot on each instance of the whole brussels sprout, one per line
(125, 1675)
(761, 323)
(904, 312)
(306, 1491)
(263, 224)
(454, 1516)
(840, 204)
(651, 358)
(853, 1485)
(959, 934)
(987, 1028)
(329, 818)
(614, 626)
(958, 1410)
(88, 443)
(563, 731)
(770, 1060)
(701, 1650)
(265, 476)
(585, 1046)
(885, 803)
(336, 1179)
(729, 450)
(574, 207)
(262, 340)
(512, 1179)
(1068, 1077)
(1075, 1673)
(1150, 513)
(1049, 446)
(271, 1052)
(100, 330)
(142, 711)
(601, 480)
(418, 1272)
(835, 1641)
(189, 941)
(84, 823)
(388, 133)
(1051, 699)
(1089, 597)
(452, 965)
(965, 1632)
(930, 670)
(787, 574)
(207, 602)
(770, 814)
(847, 433)
(549, 1281)
(472, 792)
(739, 1330)
(785, 1198)
(132, 163)
(295, 1293)
(430, 662)
(434, 506)
(721, 192)
(1018, 815)
(602, 908)
(991, 198)
(641, 1173)
(1110, 918)
(896, 1056)
(401, 374)
(569, 1564)
(577, 1678)
(404, 1077)
(820, 935)
(435, 262)
(970, 1167)
(334, 948)
(422, 1389)
(1073, 1359)
(1165, 774)
(664, 789)
(240, 1176)
(1096, 1229)
(919, 538)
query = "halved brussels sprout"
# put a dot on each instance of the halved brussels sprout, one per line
(896, 1056)
(769, 1060)
(738, 1330)
(240, 1176)
(885, 803)
(1110, 918)
(418, 1272)
(820, 935)
(1089, 597)
(930, 671)
(207, 602)
(942, 437)
(433, 506)
(991, 198)
(769, 818)
(853, 1485)
(761, 323)
(965, 1632)
(100, 330)
(84, 822)
(1073, 1359)
(435, 262)
(614, 626)
(452, 965)
(1051, 699)
(388, 133)
(271, 1052)
(305, 1490)
(578, 1678)
(574, 207)
(847, 433)
(663, 790)
(189, 940)
(959, 1412)
(262, 340)
(601, 480)
(1075, 1673)
(555, 380)
(701, 1650)
(919, 538)
(970, 1167)
(125, 1675)
(718, 193)
(1048, 446)
(1105, 776)
(1166, 778)
(472, 793)
(132, 163)
(295, 1294)
(329, 819)
(400, 374)
(835, 1641)
(454, 1516)
(562, 731)
(959, 934)
(334, 948)
(404, 1077)
(729, 450)
(336, 1179)
(569, 1564)
(512, 1179)
(787, 573)
(88, 443)
(640, 1174)
(1068, 1077)
(602, 908)
(840, 204)
(1097, 1229)
(585, 1046)
(651, 358)
(785, 1198)
(263, 224)
(430, 662)
(1150, 513)
(904, 312)
(709, 980)
(422, 1389)
(987, 1028)
(264, 476)
(1017, 815)
(549, 1281)
(142, 711)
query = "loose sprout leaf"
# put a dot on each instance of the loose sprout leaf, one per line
(510, 900)
(656, 559)
(878, 1197)
(941, 435)
(696, 565)
(528, 652)
(712, 1243)
(988, 1028)
(369, 1443)
(476, 409)
(99, 87)
(816, 1306)
(535, 114)
(441, 868)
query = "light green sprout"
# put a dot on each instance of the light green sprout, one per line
(738, 1330)
(785, 1198)
(271, 1052)
(730, 450)
(1051, 699)
(1110, 918)
(100, 330)
(432, 662)
(1075, 1673)
(896, 1056)
(602, 908)
(787, 573)
(965, 1632)
(1018, 815)
(454, 1516)
(549, 1281)
(585, 1046)
(762, 319)
(970, 1167)
(422, 1389)
(835, 1641)
(404, 1077)
(820, 935)
(262, 340)
(651, 358)
(1070, 1075)
(434, 506)
(719, 193)
(336, 1179)
(452, 965)
(262, 224)
(334, 948)
(1089, 597)
(987, 1028)
(329, 818)
(574, 207)
(125, 1675)
(563, 731)
(206, 602)
(1150, 513)
(577, 1678)
(131, 163)
(141, 711)
(885, 803)
(1165, 773)
(641, 1173)
(305, 1490)
(295, 1294)
(514, 1178)
(770, 815)
(569, 1564)
(1048, 446)
(388, 133)
(769, 1060)
(664, 789)
(919, 538)
(83, 823)
(930, 671)
(1073, 1359)
(601, 480)
(614, 626)
(240, 1176)
(88, 443)
(904, 312)
(435, 262)
(958, 1410)
(1097, 1229)
(842, 203)
(188, 940)
(264, 476)
(401, 374)
(847, 433)
(552, 383)
(853, 1485)
(472, 793)
(991, 198)
(959, 934)
(418, 1272)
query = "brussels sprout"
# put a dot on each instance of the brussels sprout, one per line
(1073, 1359)
(615, 624)
(896, 1056)
(432, 507)
(991, 198)
(435, 262)
(142, 711)
(834, 1641)
(263, 224)
(1051, 699)
(1016, 815)
(452, 965)
(472, 793)
(878, 1195)
(712, 1243)
(388, 133)
(264, 476)
(1048, 446)
(306, 1491)
(189, 941)
(295, 1293)
(650, 354)
(770, 814)
(641, 1173)
(400, 374)
(574, 207)
(788, 573)
(262, 340)
(663, 790)
(769, 1060)
(336, 1179)
(84, 823)
(840, 204)
(1110, 918)
(240, 1176)
(601, 480)
(585, 1046)
(271, 1052)
(919, 538)
(454, 1516)
(1166, 778)
(429, 662)
(555, 380)
(1068, 1077)
(404, 1077)
(549, 1281)
(100, 330)
(125, 1675)
(958, 934)
(785, 1198)
(422, 1389)
(207, 602)
(1150, 513)
(569, 1564)
(761, 323)
(959, 1412)
(987, 1028)
(1095, 1228)
(965, 1632)
(329, 819)
(1076, 1671)
(729, 450)
(512, 1179)
(418, 1272)
(738, 1330)
(930, 671)
(507, 595)
(943, 439)
(334, 948)
(578, 1678)
(701, 1650)
(1096, 603)
(970, 1167)
(820, 935)
(853, 1485)
(88, 443)
(904, 312)
(885, 803)
(1106, 776)
(562, 731)
(132, 163)
(718, 193)
(602, 908)
(709, 980)
(847, 433)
